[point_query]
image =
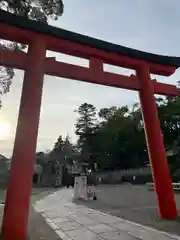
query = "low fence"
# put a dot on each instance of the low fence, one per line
(176, 186)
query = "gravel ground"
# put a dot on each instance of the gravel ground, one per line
(133, 203)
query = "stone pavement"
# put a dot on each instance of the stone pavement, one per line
(38, 229)
(77, 222)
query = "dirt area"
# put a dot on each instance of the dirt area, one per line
(133, 203)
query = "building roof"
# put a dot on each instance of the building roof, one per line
(22, 22)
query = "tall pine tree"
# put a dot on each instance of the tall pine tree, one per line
(85, 128)
(59, 144)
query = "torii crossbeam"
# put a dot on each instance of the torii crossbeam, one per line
(40, 37)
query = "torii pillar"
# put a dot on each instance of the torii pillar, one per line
(154, 140)
(19, 189)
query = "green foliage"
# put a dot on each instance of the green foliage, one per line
(68, 148)
(39, 10)
(63, 149)
(58, 146)
(86, 128)
(41, 158)
(116, 139)
(169, 115)
(87, 119)
(122, 140)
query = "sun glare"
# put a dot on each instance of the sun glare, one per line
(4, 130)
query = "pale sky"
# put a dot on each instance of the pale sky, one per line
(148, 25)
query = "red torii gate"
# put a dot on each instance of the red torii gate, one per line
(39, 38)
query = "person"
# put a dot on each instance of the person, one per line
(91, 182)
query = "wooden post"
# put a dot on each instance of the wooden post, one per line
(157, 155)
(22, 167)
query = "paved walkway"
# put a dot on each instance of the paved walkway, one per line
(38, 229)
(77, 222)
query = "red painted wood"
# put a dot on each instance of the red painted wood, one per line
(92, 75)
(96, 64)
(89, 75)
(78, 50)
(22, 166)
(16, 34)
(13, 59)
(164, 89)
(157, 155)
(71, 48)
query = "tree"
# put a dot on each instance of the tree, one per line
(85, 128)
(113, 112)
(59, 144)
(169, 115)
(118, 139)
(86, 120)
(40, 158)
(68, 150)
(68, 147)
(63, 150)
(39, 10)
(123, 140)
